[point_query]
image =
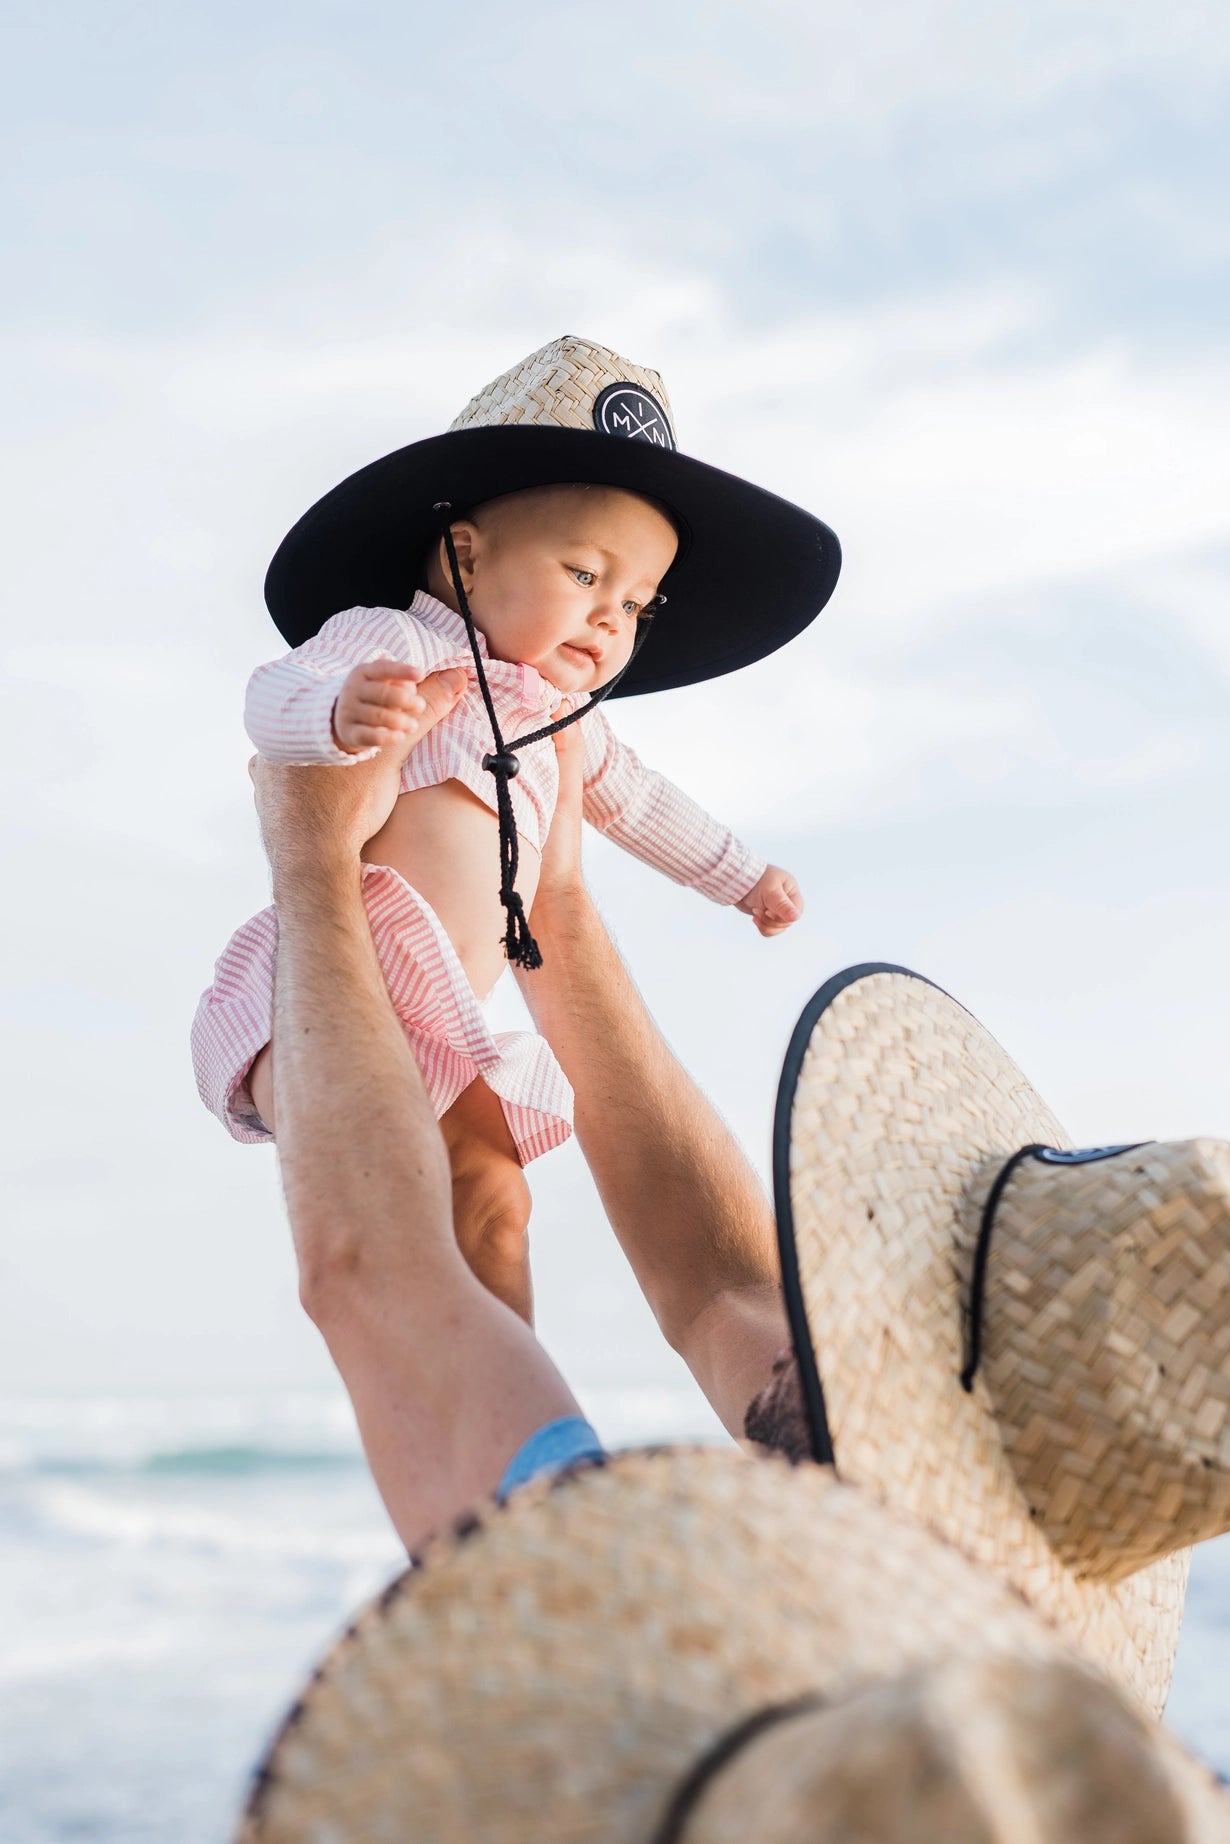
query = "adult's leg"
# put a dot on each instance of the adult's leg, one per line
(446, 1382)
(688, 1210)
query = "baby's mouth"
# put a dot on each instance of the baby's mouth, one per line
(592, 654)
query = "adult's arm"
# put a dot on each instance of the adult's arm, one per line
(445, 1381)
(683, 1201)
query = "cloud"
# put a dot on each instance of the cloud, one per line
(970, 472)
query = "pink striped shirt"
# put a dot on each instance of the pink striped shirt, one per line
(290, 719)
(443, 1021)
(289, 716)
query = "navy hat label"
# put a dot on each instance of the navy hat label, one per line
(627, 410)
(1084, 1155)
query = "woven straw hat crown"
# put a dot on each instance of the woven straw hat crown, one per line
(685, 1647)
(567, 384)
(1107, 1353)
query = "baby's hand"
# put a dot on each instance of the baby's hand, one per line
(378, 704)
(773, 902)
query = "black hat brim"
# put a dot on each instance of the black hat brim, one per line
(752, 570)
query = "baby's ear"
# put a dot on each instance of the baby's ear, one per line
(466, 543)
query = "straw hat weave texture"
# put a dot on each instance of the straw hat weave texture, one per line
(558, 387)
(904, 1112)
(1108, 1355)
(551, 1674)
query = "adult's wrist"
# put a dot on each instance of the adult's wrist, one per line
(558, 906)
(313, 875)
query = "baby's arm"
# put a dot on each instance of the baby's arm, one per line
(341, 695)
(657, 822)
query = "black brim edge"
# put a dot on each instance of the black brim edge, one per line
(753, 570)
(792, 1285)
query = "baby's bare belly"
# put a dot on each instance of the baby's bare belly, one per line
(445, 842)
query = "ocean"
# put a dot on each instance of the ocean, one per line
(172, 1565)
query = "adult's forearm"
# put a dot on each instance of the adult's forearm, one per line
(685, 1204)
(357, 1136)
(445, 1381)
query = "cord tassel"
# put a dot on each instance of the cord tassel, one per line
(520, 947)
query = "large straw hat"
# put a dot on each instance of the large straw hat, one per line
(928, 1236)
(693, 1647)
(751, 573)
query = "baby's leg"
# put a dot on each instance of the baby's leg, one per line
(260, 1085)
(491, 1200)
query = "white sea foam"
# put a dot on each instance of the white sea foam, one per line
(241, 1534)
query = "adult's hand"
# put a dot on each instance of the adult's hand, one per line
(325, 816)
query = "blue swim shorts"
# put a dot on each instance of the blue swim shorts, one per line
(549, 1449)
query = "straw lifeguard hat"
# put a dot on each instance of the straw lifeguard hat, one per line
(751, 572)
(695, 1647)
(1023, 1346)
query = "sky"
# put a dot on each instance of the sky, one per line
(953, 277)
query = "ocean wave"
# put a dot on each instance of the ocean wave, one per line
(248, 1459)
(207, 1432)
(223, 1461)
(223, 1434)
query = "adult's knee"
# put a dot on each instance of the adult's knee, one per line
(493, 1212)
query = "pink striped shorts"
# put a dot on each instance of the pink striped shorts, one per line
(432, 997)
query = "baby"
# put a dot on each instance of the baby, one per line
(539, 594)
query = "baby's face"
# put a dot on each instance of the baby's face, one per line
(557, 576)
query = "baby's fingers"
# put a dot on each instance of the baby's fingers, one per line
(389, 695)
(780, 906)
(366, 731)
(374, 736)
(392, 670)
(396, 716)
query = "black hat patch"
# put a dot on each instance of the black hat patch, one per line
(627, 410)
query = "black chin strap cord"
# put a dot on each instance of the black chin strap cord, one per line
(982, 1250)
(503, 765)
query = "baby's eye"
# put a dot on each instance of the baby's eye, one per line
(632, 608)
(586, 578)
